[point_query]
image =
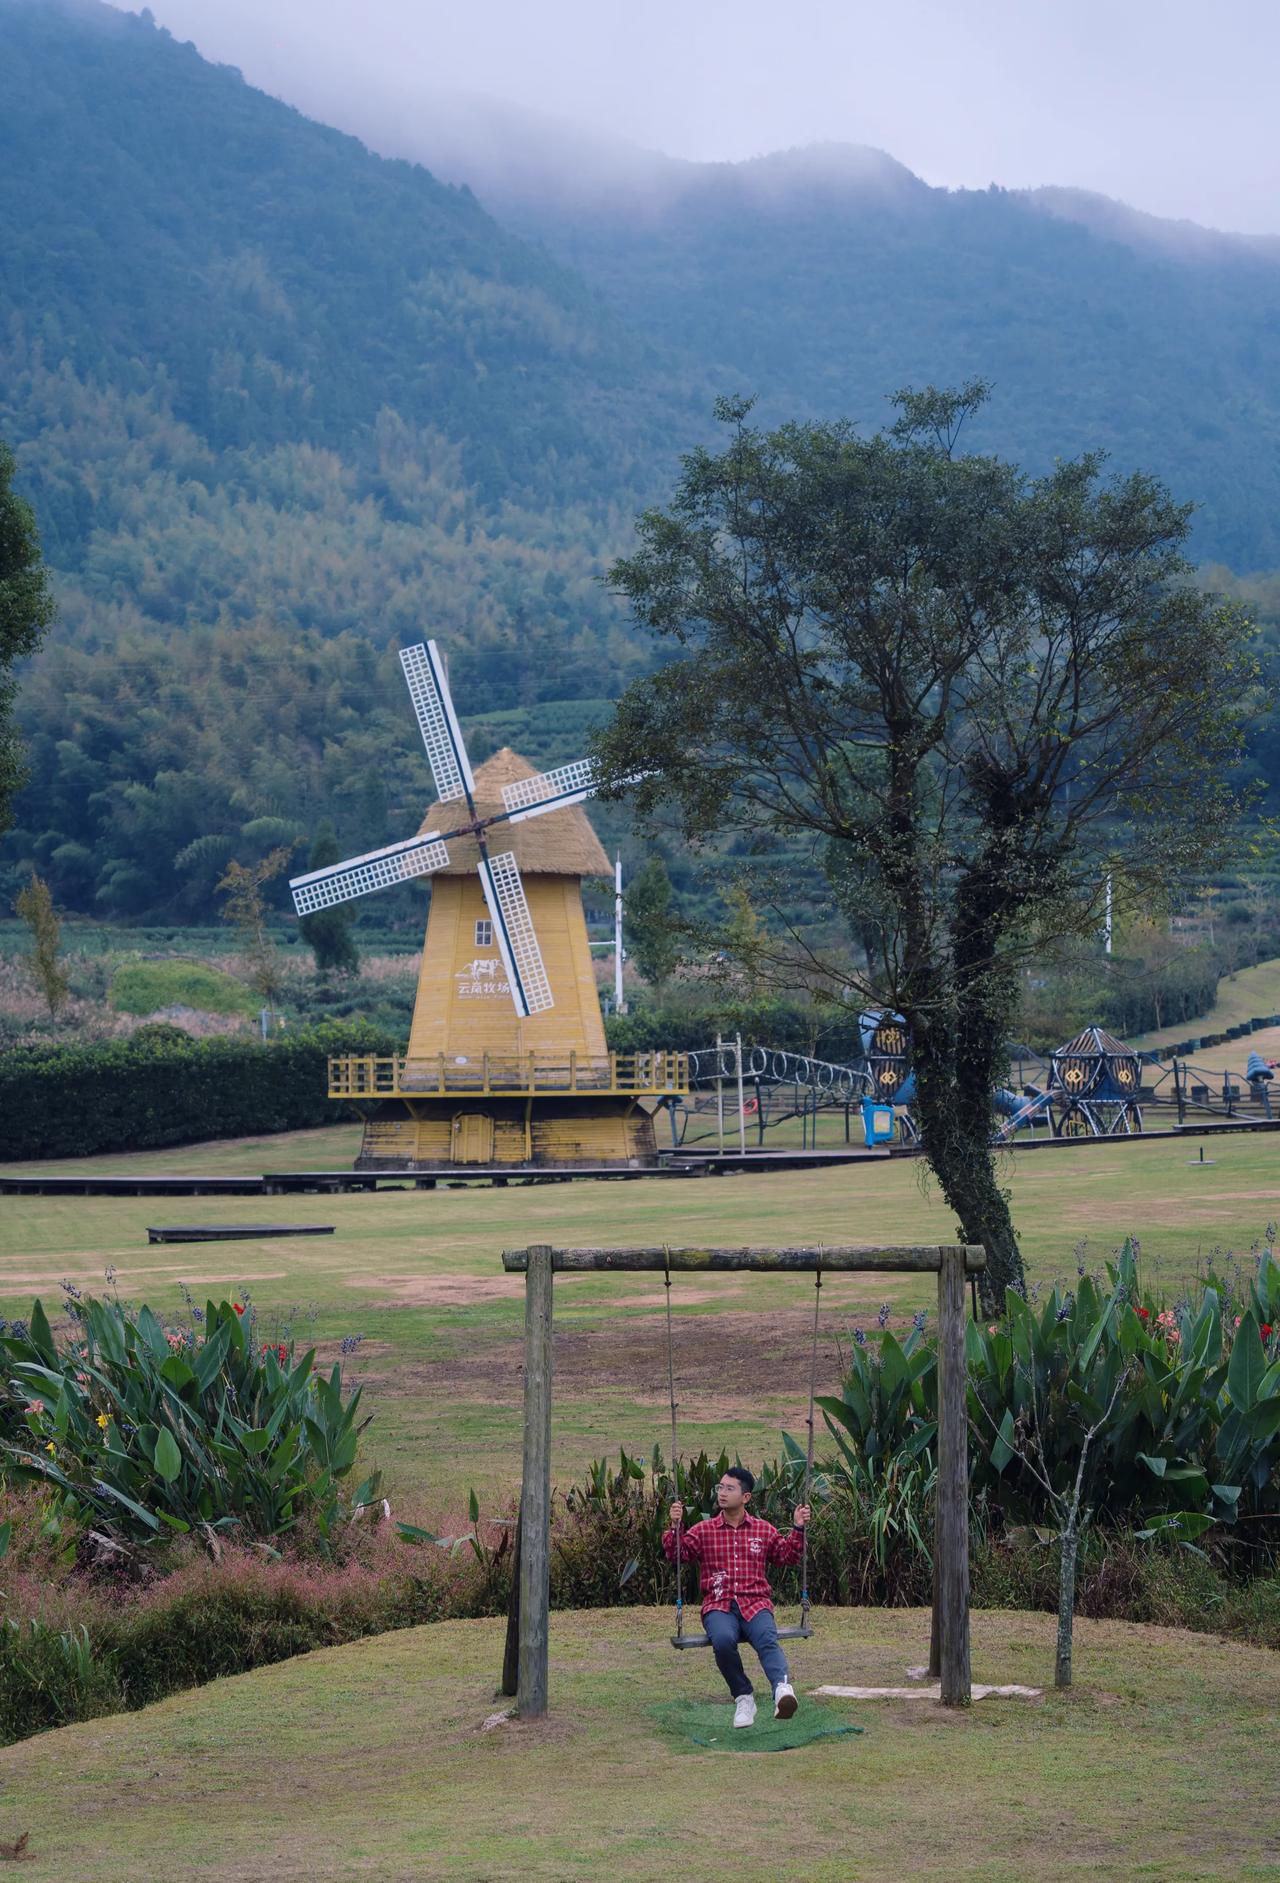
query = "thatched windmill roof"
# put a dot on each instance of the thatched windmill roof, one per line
(560, 843)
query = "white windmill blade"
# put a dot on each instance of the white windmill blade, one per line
(548, 791)
(437, 721)
(376, 869)
(513, 932)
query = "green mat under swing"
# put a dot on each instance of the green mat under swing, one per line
(699, 1725)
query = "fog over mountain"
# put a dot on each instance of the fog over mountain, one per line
(1163, 104)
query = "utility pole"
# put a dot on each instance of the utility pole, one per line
(618, 956)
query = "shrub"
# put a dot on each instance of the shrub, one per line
(156, 1089)
(149, 1433)
(145, 986)
(1194, 1434)
(81, 1650)
(52, 1676)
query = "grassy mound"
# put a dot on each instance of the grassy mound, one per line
(374, 1761)
(142, 987)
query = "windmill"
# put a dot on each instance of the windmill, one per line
(517, 1035)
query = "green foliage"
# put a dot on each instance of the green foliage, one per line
(328, 933)
(142, 987)
(159, 1432)
(26, 609)
(650, 937)
(1193, 1440)
(164, 1088)
(1059, 710)
(35, 907)
(612, 1542)
(244, 906)
(52, 1677)
(821, 278)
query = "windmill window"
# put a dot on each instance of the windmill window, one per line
(484, 934)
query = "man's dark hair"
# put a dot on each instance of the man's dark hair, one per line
(744, 1477)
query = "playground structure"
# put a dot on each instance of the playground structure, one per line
(1094, 1086)
(953, 1263)
(747, 1090)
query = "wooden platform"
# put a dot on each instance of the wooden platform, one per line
(62, 1183)
(672, 1164)
(234, 1232)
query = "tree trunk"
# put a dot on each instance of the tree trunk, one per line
(1066, 1605)
(955, 1120)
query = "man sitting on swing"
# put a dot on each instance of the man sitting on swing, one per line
(733, 1551)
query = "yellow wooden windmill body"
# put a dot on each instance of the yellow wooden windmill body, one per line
(507, 1062)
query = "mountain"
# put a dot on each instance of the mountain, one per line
(227, 321)
(282, 403)
(822, 279)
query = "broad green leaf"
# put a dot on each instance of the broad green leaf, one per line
(1264, 1420)
(168, 1458)
(1247, 1365)
(6, 1531)
(1158, 1465)
(210, 1358)
(110, 1490)
(152, 1332)
(473, 1507)
(1002, 1449)
(40, 1334)
(177, 1373)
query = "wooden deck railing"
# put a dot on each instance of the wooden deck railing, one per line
(497, 1075)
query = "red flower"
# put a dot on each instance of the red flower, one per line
(1266, 1330)
(1143, 1314)
(282, 1353)
(238, 1306)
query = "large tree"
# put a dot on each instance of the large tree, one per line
(979, 694)
(26, 609)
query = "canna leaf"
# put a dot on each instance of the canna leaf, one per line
(168, 1458)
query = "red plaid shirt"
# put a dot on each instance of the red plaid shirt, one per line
(733, 1560)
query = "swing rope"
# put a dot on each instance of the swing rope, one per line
(808, 1463)
(675, 1466)
(679, 1639)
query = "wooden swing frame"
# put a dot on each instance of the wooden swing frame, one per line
(953, 1263)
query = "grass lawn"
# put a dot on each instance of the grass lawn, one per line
(369, 1761)
(418, 1275)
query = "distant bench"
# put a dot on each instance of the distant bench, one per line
(234, 1232)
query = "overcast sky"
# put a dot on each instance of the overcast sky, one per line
(1170, 105)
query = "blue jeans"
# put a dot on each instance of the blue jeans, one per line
(728, 1629)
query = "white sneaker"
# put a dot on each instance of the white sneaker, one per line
(744, 1713)
(784, 1700)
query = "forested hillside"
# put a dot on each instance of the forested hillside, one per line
(823, 279)
(253, 372)
(282, 405)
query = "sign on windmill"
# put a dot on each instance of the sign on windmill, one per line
(507, 1061)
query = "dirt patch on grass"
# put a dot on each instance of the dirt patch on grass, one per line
(722, 1361)
(449, 1291)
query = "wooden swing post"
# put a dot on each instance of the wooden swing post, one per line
(951, 1262)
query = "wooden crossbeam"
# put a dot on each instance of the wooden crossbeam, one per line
(926, 1258)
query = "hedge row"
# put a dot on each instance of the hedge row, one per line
(162, 1087)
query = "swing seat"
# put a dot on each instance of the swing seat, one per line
(800, 1633)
